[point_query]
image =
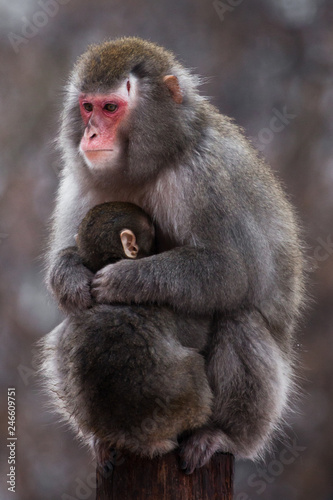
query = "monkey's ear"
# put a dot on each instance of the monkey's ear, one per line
(173, 86)
(128, 241)
(76, 237)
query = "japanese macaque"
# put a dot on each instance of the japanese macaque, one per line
(135, 129)
(120, 375)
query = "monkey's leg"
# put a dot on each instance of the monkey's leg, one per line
(125, 380)
(250, 378)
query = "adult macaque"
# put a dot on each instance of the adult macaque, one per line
(134, 128)
(119, 374)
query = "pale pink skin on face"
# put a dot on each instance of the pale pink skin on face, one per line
(101, 124)
(101, 115)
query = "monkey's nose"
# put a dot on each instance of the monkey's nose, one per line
(90, 133)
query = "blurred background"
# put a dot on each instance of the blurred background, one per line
(269, 65)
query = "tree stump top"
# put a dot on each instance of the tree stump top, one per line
(136, 478)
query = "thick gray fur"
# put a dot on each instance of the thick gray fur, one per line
(229, 246)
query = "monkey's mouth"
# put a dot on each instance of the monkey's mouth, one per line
(94, 154)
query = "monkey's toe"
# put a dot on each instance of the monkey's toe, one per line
(197, 449)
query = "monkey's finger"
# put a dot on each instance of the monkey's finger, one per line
(96, 291)
(103, 276)
(101, 292)
(189, 464)
(99, 281)
(96, 283)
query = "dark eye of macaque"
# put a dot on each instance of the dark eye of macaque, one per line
(88, 106)
(111, 107)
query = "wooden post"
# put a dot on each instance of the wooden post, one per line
(136, 478)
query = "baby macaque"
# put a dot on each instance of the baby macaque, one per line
(127, 376)
(113, 231)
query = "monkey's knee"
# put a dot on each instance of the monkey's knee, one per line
(251, 386)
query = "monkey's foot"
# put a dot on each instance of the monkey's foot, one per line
(102, 451)
(197, 449)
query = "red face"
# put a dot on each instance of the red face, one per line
(101, 115)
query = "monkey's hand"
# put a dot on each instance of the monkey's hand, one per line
(198, 448)
(111, 283)
(70, 281)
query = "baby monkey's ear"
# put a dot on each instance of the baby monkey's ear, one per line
(128, 240)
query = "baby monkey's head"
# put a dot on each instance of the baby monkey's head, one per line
(113, 231)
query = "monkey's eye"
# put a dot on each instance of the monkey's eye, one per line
(111, 107)
(88, 106)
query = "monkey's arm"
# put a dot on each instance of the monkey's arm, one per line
(67, 277)
(70, 281)
(195, 280)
